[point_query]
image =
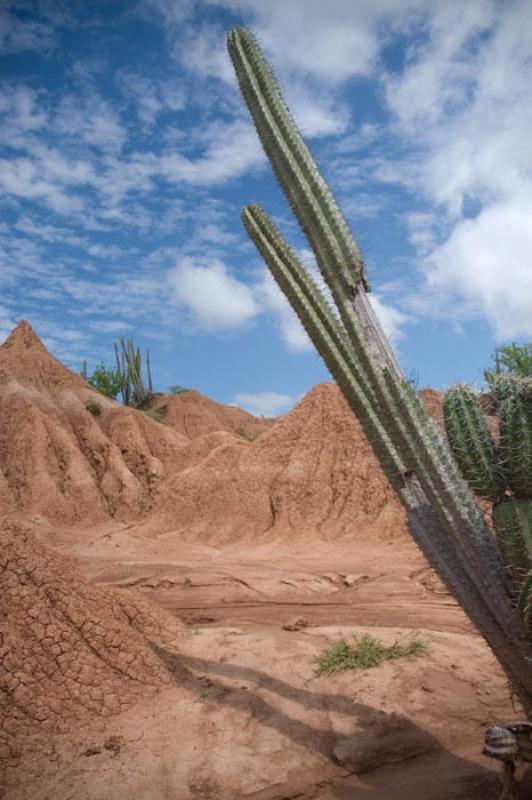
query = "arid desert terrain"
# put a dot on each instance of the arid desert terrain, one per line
(167, 583)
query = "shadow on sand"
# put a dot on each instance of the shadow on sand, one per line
(389, 773)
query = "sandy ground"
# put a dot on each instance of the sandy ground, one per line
(245, 716)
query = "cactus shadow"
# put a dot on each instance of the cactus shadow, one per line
(206, 679)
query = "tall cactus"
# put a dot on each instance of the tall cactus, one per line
(129, 369)
(500, 471)
(441, 511)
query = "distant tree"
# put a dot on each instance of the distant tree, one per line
(511, 358)
(108, 382)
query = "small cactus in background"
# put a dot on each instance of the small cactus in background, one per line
(500, 471)
(129, 368)
(442, 514)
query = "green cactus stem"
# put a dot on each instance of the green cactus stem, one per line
(315, 207)
(512, 521)
(472, 444)
(516, 438)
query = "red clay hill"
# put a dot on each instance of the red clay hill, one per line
(205, 470)
(71, 651)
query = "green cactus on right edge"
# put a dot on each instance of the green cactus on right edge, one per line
(500, 471)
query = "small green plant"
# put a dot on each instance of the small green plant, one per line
(176, 389)
(93, 407)
(108, 382)
(365, 652)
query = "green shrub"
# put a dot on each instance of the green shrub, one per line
(93, 407)
(511, 358)
(106, 381)
(364, 653)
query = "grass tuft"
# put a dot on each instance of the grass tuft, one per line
(365, 652)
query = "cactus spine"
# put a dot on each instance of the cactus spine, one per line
(442, 514)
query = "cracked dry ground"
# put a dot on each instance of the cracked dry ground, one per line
(232, 709)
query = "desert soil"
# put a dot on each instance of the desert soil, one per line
(244, 716)
(167, 583)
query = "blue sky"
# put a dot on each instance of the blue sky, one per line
(127, 155)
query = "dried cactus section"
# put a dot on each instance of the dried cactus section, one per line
(442, 514)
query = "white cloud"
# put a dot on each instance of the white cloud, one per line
(488, 261)
(90, 120)
(266, 404)
(230, 150)
(108, 325)
(462, 107)
(441, 70)
(273, 301)
(215, 299)
(151, 97)
(172, 12)
(202, 49)
(316, 112)
(332, 41)
(22, 178)
(19, 35)
(21, 114)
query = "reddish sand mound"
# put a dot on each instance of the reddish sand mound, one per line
(64, 462)
(25, 359)
(67, 650)
(209, 471)
(193, 415)
(313, 473)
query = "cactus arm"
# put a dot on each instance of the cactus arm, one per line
(512, 521)
(280, 257)
(321, 219)
(471, 443)
(295, 168)
(516, 439)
